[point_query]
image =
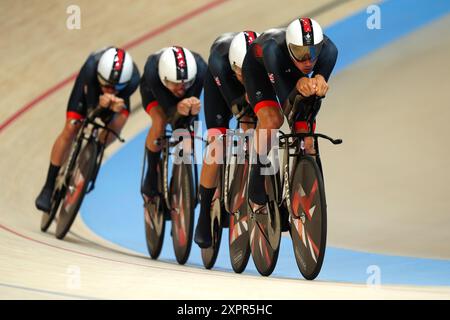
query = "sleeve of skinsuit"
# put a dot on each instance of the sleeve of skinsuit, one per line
(126, 93)
(147, 97)
(327, 59)
(161, 94)
(257, 84)
(230, 87)
(274, 62)
(196, 89)
(92, 90)
(77, 99)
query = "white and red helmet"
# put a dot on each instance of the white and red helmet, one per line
(304, 39)
(177, 64)
(115, 68)
(239, 46)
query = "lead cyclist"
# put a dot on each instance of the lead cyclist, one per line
(283, 72)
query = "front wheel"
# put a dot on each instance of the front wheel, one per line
(308, 220)
(182, 210)
(76, 188)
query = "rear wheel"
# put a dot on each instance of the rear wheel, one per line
(60, 189)
(238, 240)
(48, 217)
(265, 232)
(308, 223)
(154, 219)
(182, 210)
(209, 255)
(76, 188)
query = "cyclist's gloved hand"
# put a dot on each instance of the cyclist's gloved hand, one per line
(184, 107)
(117, 104)
(105, 100)
(195, 105)
(307, 87)
(321, 85)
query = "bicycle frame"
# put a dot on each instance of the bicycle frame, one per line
(299, 151)
(168, 144)
(228, 151)
(89, 131)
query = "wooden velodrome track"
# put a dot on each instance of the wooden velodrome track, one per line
(39, 57)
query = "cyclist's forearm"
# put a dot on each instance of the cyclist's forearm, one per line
(290, 101)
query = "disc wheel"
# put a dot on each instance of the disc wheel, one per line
(182, 210)
(154, 219)
(239, 240)
(209, 255)
(265, 233)
(308, 222)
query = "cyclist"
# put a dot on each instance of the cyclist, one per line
(286, 69)
(170, 89)
(107, 79)
(224, 97)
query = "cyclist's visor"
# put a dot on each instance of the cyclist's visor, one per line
(186, 84)
(303, 53)
(104, 83)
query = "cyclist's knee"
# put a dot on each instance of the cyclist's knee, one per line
(248, 122)
(118, 122)
(214, 151)
(159, 121)
(214, 133)
(272, 120)
(70, 130)
(158, 126)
